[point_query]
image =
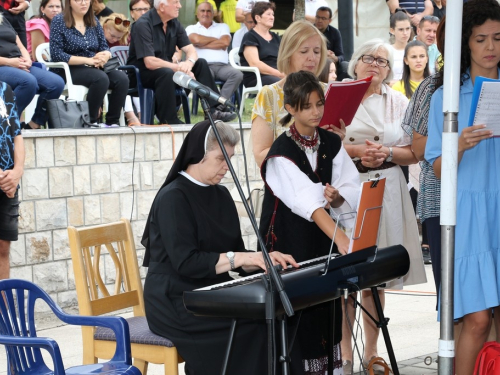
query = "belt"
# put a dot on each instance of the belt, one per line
(362, 169)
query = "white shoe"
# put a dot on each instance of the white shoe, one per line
(103, 125)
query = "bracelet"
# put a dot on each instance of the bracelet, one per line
(192, 60)
(389, 158)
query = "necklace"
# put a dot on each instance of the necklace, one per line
(307, 144)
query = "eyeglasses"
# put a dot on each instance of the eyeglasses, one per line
(322, 18)
(140, 9)
(119, 21)
(82, 1)
(368, 59)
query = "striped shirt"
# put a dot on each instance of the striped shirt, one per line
(412, 6)
(416, 118)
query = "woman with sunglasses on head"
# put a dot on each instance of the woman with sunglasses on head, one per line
(38, 28)
(77, 38)
(116, 29)
(378, 146)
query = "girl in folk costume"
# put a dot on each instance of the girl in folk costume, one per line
(307, 171)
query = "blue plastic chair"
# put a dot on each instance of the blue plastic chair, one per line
(146, 96)
(18, 334)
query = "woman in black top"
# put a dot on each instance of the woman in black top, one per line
(259, 47)
(192, 240)
(77, 38)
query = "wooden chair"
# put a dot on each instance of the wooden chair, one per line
(94, 298)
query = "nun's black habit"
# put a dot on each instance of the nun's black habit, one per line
(189, 226)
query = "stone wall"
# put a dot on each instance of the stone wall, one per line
(90, 177)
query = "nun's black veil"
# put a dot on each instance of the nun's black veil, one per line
(191, 152)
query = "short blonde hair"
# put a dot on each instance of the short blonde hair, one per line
(296, 34)
(120, 28)
(368, 48)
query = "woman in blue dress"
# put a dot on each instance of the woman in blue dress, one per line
(477, 238)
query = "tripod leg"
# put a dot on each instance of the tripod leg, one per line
(331, 325)
(284, 357)
(382, 323)
(229, 346)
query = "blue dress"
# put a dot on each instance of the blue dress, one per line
(477, 236)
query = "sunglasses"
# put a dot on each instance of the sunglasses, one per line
(119, 21)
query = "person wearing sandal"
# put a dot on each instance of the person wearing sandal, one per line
(26, 79)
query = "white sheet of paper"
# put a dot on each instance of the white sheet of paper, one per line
(488, 107)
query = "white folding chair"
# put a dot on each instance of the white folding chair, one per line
(234, 60)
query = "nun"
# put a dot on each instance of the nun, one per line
(192, 239)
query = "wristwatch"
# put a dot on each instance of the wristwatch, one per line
(230, 256)
(192, 60)
(389, 158)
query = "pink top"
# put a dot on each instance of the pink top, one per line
(36, 24)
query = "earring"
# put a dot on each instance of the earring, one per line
(43, 14)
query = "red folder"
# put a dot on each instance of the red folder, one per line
(342, 100)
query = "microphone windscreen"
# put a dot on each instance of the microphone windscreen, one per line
(182, 79)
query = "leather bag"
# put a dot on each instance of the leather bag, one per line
(488, 359)
(68, 114)
(112, 64)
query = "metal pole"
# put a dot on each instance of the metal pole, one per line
(449, 166)
(346, 27)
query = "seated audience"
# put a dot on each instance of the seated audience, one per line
(138, 8)
(100, 9)
(25, 79)
(77, 38)
(192, 239)
(117, 33)
(332, 35)
(151, 50)
(259, 47)
(248, 24)
(311, 8)
(38, 28)
(211, 40)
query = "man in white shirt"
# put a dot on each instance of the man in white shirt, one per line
(238, 35)
(211, 40)
(243, 7)
(311, 8)
(426, 33)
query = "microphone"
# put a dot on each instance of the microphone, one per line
(184, 80)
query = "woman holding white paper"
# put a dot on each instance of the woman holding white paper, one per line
(378, 146)
(477, 239)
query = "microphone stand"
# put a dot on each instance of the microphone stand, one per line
(275, 280)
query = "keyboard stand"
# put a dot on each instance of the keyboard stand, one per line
(381, 323)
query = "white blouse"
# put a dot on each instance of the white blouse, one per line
(303, 196)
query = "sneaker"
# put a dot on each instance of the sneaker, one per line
(223, 116)
(103, 125)
(426, 254)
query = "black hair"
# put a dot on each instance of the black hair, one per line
(260, 7)
(325, 9)
(398, 16)
(133, 2)
(475, 13)
(297, 89)
(42, 15)
(406, 68)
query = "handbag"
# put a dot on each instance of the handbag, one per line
(488, 359)
(112, 64)
(68, 113)
(255, 199)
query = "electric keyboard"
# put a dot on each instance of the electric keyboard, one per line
(305, 286)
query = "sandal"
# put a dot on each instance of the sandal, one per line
(377, 366)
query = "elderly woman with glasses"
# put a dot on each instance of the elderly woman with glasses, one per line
(378, 146)
(77, 38)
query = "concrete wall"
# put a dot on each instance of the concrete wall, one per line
(90, 177)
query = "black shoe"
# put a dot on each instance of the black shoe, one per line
(176, 121)
(426, 254)
(223, 116)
